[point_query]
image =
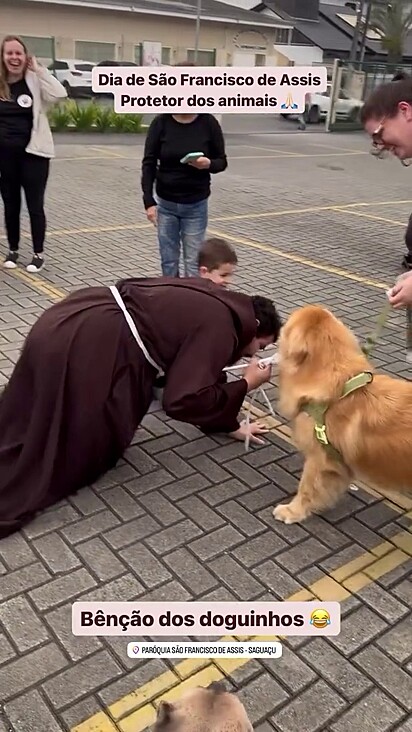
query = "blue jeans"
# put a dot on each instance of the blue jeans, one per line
(178, 223)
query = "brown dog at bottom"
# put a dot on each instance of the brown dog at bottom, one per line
(368, 431)
(211, 709)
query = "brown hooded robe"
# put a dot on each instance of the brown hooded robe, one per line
(82, 384)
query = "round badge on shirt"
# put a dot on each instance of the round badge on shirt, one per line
(24, 101)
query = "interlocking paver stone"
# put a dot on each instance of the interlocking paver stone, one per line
(376, 712)
(387, 674)
(23, 624)
(383, 603)
(29, 712)
(55, 553)
(146, 567)
(122, 503)
(397, 641)
(186, 516)
(311, 710)
(80, 679)
(242, 584)
(335, 669)
(16, 552)
(100, 559)
(191, 572)
(30, 669)
(64, 588)
(77, 647)
(6, 649)
(277, 580)
(261, 697)
(358, 629)
(257, 550)
(291, 671)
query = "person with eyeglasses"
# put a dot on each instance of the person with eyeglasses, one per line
(387, 117)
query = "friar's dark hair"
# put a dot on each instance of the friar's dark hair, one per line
(269, 321)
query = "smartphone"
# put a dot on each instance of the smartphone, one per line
(192, 156)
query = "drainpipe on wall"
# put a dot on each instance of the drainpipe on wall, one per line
(198, 12)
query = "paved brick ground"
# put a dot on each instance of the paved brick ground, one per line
(186, 516)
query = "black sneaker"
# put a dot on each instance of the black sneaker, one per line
(36, 264)
(407, 262)
(11, 260)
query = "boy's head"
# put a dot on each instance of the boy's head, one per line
(217, 261)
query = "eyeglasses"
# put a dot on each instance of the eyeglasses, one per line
(379, 148)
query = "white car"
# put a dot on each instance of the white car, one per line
(74, 74)
(346, 107)
(318, 107)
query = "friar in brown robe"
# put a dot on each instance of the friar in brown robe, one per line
(83, 383)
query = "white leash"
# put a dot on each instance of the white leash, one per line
(269, 360)
(134, 330)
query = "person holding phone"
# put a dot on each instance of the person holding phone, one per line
(181, 153)
(26, 144)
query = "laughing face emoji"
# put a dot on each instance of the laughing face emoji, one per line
(320, 618)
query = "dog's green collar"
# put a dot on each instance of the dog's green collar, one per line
(318, 411)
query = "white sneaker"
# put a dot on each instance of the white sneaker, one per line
(11, 260)
(36, 264)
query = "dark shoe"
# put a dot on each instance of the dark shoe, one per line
(11, 260)
(36, 264)
(407, 262)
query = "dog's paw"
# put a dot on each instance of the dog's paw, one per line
(287, 513)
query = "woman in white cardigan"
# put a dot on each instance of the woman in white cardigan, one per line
(26, 144)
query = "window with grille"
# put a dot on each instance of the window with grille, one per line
(41, 47)
(281, 35)
(94, 51)
(204, 58)
(138, 54)
(166, 55)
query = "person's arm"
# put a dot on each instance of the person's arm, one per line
(50, 88)
(149, 162)
(218, 159)
(195, 392)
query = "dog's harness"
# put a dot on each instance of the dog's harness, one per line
(318, 411)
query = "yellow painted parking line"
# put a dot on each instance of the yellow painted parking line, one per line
(332, 147)
(231, 217)
(77, 158)
(373, 217)
(266, 149)
(100, 722)
(298, 155)
(137, 711)
(107, 151)
(38, 283)
(301, 260)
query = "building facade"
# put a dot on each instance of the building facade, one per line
(121, 30)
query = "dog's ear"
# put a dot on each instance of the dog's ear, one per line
(164, 715)
(218, 687)
(295, 346)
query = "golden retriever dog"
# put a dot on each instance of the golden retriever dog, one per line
(203, 710)
(371, 428)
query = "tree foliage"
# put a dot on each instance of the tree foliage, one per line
(392, 21)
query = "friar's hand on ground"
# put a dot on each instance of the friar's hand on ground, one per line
(201, 163)
(256, 375)
(251, 430)
(400, 295)
(151, 214)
